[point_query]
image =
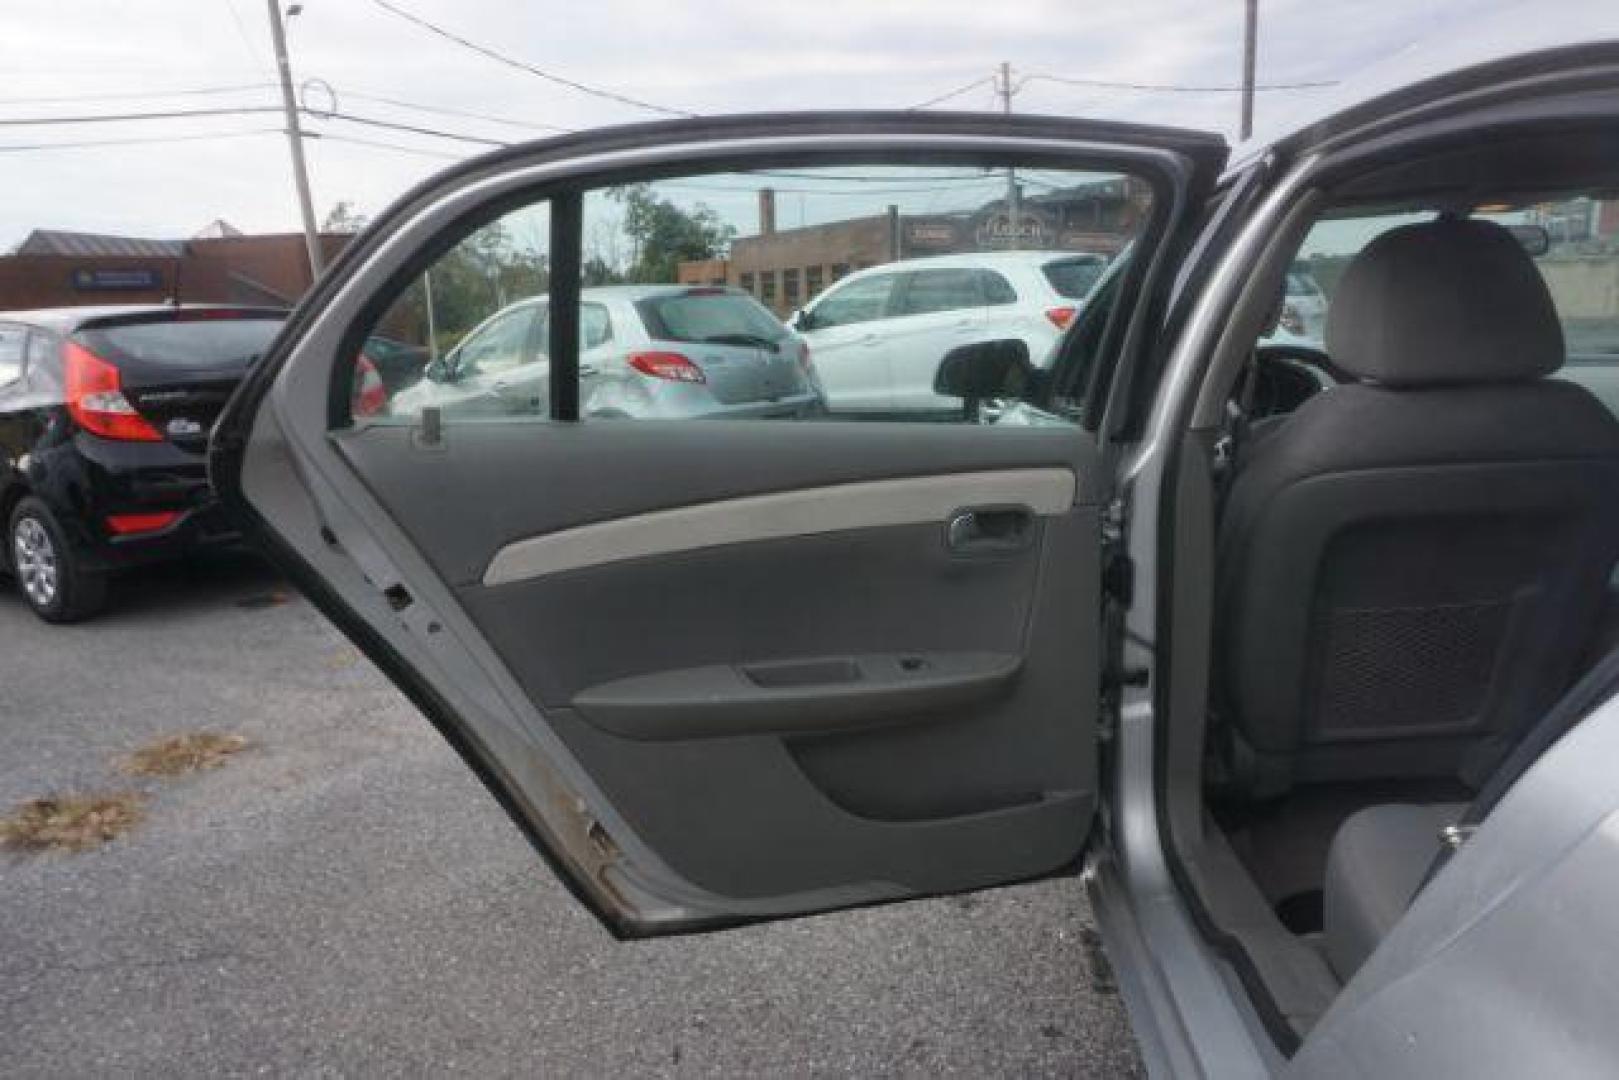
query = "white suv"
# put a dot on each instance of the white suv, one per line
(878, 335)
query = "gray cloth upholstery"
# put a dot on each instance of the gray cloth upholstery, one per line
(1378, 860)
(1409, 571)
(1444, 302)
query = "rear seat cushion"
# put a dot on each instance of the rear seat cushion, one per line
(1375, 865)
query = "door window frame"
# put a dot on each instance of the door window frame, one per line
(501, 187)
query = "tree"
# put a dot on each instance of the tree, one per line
(343, 218)
(662, 235)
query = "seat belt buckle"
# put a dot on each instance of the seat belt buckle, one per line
(1454, 836)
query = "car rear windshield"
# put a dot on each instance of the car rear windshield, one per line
(723, 318)
(224, 342)
(1073, 278)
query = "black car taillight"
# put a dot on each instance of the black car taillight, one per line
(95, 398)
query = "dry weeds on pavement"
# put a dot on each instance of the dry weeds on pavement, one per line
(71, 822)
(180, 754)
(79, 822)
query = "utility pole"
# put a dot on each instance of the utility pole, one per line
(1003, 87)
(295, 138)
(1250, 43)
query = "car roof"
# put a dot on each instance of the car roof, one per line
(641, 292)
(65, 320)
(1492, 48)
(990, 258)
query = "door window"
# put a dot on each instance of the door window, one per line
(703, 282)
(500, 344)
(13, 342)
(1574, 241)
(857, 302)
(925, 292)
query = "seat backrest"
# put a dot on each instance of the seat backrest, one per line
(1411, 566)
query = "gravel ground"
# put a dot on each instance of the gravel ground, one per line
(345, 898)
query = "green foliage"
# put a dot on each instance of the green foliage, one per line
(662, 235)
(470, 282)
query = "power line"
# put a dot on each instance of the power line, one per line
(381, 145)
(137, 95)
(520, 65)
(957, 92)
(443, 110)
(1171, 88)
(137, 140)
(168, 114)
(414, 129)
(247, 40)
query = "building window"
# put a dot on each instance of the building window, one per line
(767, 286)
(812, 282)
(746, 281)
(840, 271)
(789, 286)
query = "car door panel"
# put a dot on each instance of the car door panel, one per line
(717, 670)
(857, 676)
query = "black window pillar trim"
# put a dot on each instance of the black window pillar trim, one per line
(567, 219)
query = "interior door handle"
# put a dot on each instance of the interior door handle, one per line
(989, 530)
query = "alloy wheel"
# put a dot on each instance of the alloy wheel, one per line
(35, 561)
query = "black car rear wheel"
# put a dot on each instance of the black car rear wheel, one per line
(49, 574)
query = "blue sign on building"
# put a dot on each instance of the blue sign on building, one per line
(88, 280)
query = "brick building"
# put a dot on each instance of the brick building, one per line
(786, 267)
(68, 269)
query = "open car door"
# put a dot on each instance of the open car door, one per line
(722, 654)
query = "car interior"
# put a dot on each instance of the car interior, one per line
(1397, 550)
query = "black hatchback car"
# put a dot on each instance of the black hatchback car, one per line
(104, 420)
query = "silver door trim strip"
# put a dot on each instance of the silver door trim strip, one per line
(914, 500)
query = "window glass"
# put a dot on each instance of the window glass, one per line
(213, 340)
(502, 343)
(1073, 279)
(13, 339)
(41, 348)
(689, 283)
(708, 316)
(857, 302)
(595, 327)
(1579, 263)
(996, 289)
(467, 336)
(927, 291)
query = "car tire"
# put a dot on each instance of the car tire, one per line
(49, 573)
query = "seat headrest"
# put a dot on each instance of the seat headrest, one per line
(1444, 302)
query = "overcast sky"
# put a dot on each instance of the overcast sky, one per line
(706, 56)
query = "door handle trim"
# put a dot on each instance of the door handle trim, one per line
(913, 500)
(989, 530)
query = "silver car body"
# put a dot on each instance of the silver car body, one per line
(498, 369)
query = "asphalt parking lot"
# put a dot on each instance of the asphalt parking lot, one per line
(344, 898)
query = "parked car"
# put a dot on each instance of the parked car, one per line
(646, 351)
(104, 419)
(1302, 318)
(878, 334)
(1328, 718)
(396, 363)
